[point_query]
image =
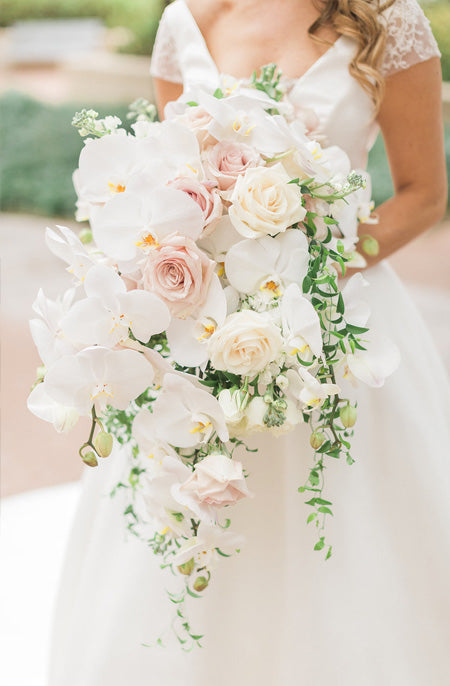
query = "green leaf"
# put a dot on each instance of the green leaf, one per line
(218, 93)
(312, 516)
(321, 501)
(192, 103)
(340, 307)
(328, 555)
(325, 510)
(191, 593)
(351, 328)
(313, 501)
(320, 543)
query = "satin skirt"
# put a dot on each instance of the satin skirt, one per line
(277, 614)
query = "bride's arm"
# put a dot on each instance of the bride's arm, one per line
(165, 91)
(410, 119)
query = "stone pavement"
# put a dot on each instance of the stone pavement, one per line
(33, 454)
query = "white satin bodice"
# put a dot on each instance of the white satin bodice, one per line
(344, 109)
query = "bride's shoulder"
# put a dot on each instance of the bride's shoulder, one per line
(409, 38)
(206, 11)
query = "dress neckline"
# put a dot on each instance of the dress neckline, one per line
(289, 79)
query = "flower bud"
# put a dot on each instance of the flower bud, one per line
(200, 583)
(268, 397)
(370, 246)
(280, 404)
(40, 373)
(187, 568)
(282, 381)
(85, 236)
(316, 439)
(90, 459)
(103, 444)
(348, 415)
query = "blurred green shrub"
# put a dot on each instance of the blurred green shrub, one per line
(438, 12)
(39, 152)
(140, 16)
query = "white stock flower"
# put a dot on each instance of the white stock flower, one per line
(245, 344)
(104, 317)
(268, 264)
(187, 415)
(263, 202)
(301, 325)
(98, 376)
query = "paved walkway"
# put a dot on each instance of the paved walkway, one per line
(33, 454)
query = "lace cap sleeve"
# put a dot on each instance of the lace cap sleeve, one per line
(409, 37)
(165, 63)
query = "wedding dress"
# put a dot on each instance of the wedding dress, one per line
(377, 613)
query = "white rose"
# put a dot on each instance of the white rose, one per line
(245, 344)
(264, 203)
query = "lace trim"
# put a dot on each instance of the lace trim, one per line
(165, 64)
(410, 39)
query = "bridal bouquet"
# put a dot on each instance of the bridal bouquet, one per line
(207, 305)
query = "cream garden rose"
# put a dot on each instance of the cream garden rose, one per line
(245, 344)
(264, 203)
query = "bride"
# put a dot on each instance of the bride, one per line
(378, 612)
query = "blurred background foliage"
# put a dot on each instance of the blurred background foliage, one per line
(141, 18)
(39, 148)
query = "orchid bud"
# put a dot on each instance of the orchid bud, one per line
(370, 246)
(200, 583)
(316, 439)
(90, 459)
(348, 415)
(85, 236)
(40, 373)
(187, 568)
(103, 444)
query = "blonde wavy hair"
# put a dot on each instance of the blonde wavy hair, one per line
(360, 20)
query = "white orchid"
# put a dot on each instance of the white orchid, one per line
(46, 331)
(187, 416)
(132, 223)
(357, 311)
(160, 500)
(109, 311)
(268, 264)
(188, 338)
(202, 547)
(301, 325)
(311, 392)
(373, 365)
(98, 376)
(67, 246)
(41, 404)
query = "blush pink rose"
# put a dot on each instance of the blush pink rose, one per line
(227, 160)
(197, 119)
(217, 481)
(180, 273)
(206, 195)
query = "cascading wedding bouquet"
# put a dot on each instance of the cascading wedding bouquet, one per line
(207, 306)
